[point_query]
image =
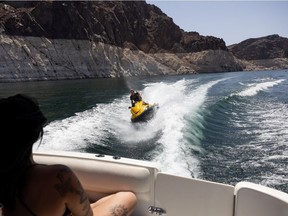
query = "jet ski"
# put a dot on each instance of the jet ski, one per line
(142, 112)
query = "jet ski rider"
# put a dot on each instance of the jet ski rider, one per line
(135, 97)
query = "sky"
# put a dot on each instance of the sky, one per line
(233, 21)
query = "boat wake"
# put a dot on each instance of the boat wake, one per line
(247, 135)
(192, 133)
(167, 139)
(253, 89)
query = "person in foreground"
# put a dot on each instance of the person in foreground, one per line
(30, 189)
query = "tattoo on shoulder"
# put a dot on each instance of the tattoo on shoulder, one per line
(119, 210)
(66, 186)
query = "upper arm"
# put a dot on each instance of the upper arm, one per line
(69, 187)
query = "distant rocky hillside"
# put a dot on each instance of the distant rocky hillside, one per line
(84, 39)
(269, 47)
(264, 53)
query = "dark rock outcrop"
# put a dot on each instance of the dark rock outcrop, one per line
(269, 47)
(48, 40)
(111, 22)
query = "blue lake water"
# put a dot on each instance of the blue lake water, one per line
(224, 127)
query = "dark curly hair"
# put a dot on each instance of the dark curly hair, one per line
(21, 125)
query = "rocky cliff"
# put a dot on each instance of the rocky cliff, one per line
(110, 22)
(269, 47)
(264, 53)
(82, 39)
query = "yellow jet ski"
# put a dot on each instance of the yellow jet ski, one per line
(142, 112)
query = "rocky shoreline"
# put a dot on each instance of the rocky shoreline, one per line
(32, 47)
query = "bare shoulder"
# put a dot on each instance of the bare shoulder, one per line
(68, 186)
(65, 180)
(60, 177)
(57, 172)
(57, 167)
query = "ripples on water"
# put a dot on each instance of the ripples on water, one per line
(226, 127)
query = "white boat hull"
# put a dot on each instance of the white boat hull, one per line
(164, 193)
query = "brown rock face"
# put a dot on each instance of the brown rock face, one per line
(269, 47)
(113, 22)
(47, 40)
(193, 42)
